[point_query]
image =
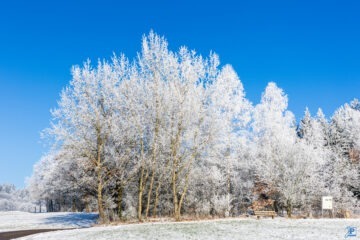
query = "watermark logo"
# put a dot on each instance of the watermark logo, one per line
(351, 232)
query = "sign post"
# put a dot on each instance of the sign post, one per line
(327, 204)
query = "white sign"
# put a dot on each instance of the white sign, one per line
(327, 202)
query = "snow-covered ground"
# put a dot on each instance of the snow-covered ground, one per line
(12, 221)
(248, 229)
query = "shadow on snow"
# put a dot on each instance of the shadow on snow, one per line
(75, 220)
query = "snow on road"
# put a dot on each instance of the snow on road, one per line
(249, 229)
(12, 221)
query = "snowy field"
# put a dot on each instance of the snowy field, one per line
(248, 229)
(12, 221)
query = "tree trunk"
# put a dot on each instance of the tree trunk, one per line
(98, 169)
(177, 213)
(228, 186)
(119, 201)
(288, 208)
(150, 193)
(100, 199)
(156, 198)
(49, 205)
(178, 201)
(73, 205)
(87, 206)
(182, 197)
(140, 194)
(175, 196)
(142, 182)
(100, 189)
(160, 180)
(154, 149)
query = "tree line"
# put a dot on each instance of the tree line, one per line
(172, 133)
(13, 199)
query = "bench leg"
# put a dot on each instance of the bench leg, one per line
(258, 217)
(272, 216)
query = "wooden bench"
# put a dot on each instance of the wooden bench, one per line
(259, 214)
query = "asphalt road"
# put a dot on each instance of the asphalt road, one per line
(23, 233)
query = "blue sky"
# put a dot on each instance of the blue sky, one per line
(310, 48)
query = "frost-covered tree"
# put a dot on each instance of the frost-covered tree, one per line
(150, 123)
(313, 133)
(13, 199)
(171, 132)
(283, 162)
(82, 121)
(230, 112)
(180, 128)
(343, 166)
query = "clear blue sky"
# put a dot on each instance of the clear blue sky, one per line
(310, 48)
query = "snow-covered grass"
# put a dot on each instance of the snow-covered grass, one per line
(12, 221)
(248, 229)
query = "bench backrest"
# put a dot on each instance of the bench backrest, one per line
(264, 212)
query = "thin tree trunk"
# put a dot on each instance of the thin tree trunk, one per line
(98, 170)
(288, 208)
(100, 198)
(159, 186)
(182, 197)
(87, 207)
(141, 179)
(156, 198)
(228, 184)
(73, 205)
(175, 166)
(177, 213)
(150, 193)
(99, 181)
(175, 197)
(153, 160)
(119, 200)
